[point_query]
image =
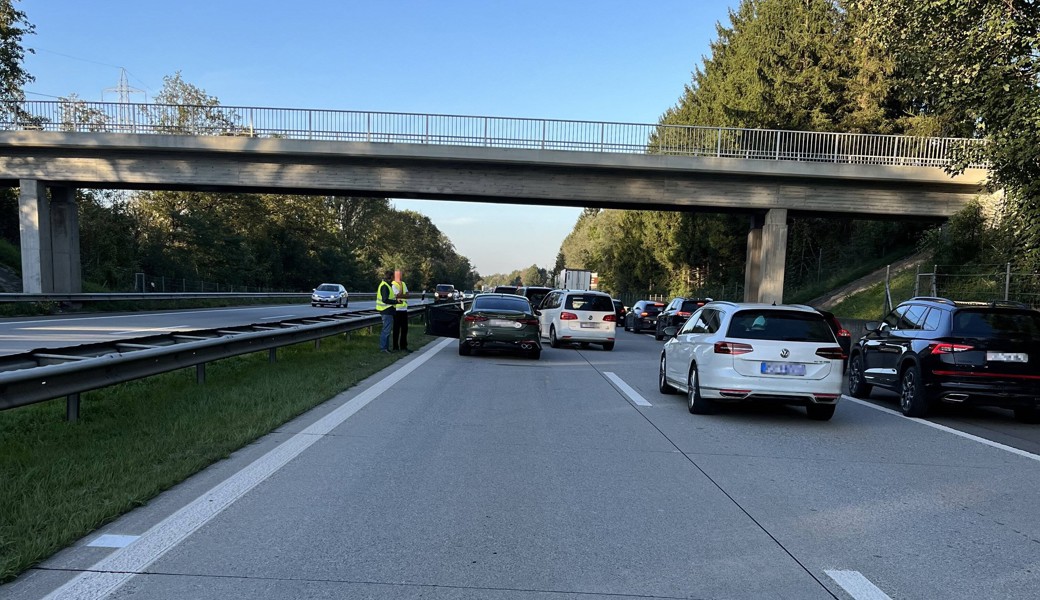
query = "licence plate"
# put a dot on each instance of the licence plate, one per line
(589, 325)
(780, 368)
(1018, 357)
(504, 323)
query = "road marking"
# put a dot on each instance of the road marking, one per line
(111, 540)
(857, 586)
(147, 329)
(281, 316)
(116, 569)
(956, 432)
(627, 390)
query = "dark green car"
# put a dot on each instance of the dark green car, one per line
(502, 321)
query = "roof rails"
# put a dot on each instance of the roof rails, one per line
(990, 303)
(935, 299)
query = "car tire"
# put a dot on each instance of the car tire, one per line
(912, 398)
(627, 328)
(553, 341)
(858, 388)
(608, 346)
(464, 349)
(820, 412)
(697, 404)
(635, 327)
(662, 383)
(1027, 414)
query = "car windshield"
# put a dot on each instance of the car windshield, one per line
(441, 287)
(996, 323)
(328, 287)
(499, 303)
(590, 302)
(780, 325)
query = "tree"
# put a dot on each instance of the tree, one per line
(13, 76)
(191, 110)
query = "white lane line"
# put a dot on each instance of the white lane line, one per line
(166, 314)
(956, 432)
(147, 329)
(627, 390)
(857, 586)
(116, 569)
(281, 316)
(112, 540)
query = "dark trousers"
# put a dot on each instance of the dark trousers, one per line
(400, 330)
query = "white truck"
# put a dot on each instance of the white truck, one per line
(575, 279)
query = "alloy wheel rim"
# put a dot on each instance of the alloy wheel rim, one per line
(854, 376)
(690, 393)
(660, 374)
(908, 391)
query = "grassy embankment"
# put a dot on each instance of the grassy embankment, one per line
(870, 303)
(62, 480)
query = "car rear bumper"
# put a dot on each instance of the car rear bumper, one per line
(726, 385)
(527, 343)
(995, 392)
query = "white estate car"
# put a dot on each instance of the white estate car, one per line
(733, 352)
(569, 316)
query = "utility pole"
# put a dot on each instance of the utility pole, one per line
(124, 90)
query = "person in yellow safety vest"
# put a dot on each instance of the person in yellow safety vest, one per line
(400, 289)
(385, 302)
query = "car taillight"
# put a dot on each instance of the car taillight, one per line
(566, 316)
(473, 318)
(529, 321)
(610, 317)
(683, 314)
(643, 314)
(732, 348)
(946, 348)
(844, 333)
(831, 353)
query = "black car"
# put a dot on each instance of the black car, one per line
(933, 349)
(619, 310)
(843, 335)
(504, 289)
(533, 293)
(643, 315)
(676, 313)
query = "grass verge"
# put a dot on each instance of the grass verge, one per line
(870, 303)
(62, 480)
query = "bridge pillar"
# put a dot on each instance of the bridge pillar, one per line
(49, 231)
(766, 257)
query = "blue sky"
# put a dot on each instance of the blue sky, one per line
(597, 61)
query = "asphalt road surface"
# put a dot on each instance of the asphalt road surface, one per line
(571, 477)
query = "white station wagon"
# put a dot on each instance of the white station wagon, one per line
(732, 352)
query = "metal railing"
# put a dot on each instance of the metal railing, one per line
(135, 296)
(490, 132)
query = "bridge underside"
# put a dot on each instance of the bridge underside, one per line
(769, 190)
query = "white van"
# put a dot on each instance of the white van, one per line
(577, 316)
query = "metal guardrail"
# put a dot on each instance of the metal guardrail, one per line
(106, 297)
(46, 374)
(490, 132)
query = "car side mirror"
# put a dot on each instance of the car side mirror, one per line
(670, 331)
(537, 313)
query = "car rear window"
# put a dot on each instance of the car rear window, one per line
(495, 303)
(780, 325)
(590, 302)
(691, 305)
(996, 323)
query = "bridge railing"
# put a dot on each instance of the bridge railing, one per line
(491, 132)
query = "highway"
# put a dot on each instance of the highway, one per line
(571, 477)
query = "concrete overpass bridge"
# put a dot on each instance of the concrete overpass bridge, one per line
(53, 148)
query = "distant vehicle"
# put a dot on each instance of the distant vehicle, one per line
(643, 315)
(504, 289)
(533, 293)
(500, 321)
(574, 279)
(735, 352)
(330, 294)
(676, 313)
(580, 316)
(443, 292)
(929, 350)
(620, 310)
(468, 294)
(843, 335)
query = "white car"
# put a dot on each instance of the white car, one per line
(330, 294)
(733, 352)
(577, 316)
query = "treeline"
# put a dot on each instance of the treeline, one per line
(965, 68)
(533, 275)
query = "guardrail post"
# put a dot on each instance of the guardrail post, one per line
(72, 408)
(1007, 282)
(317, 344)
(272, 355)
(200, 373)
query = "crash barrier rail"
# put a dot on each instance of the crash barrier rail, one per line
(103, 297)
(46, 374)
(67, 115)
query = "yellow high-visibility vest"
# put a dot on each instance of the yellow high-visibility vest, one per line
(380, 305)
(400, 288)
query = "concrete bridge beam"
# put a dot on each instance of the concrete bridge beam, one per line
(49, 231)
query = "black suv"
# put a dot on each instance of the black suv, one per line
(643, 315)
(934, 349)
(676, 313)
(533, 293)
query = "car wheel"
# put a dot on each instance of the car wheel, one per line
(635, 326)
(912, 399)
(662, 383)
(608, 346)
(697, 404)
(858, 388)
(820, 412)
(555, 343)
(1027, 414)
(464, 349)
(584, 344)
(627, 328)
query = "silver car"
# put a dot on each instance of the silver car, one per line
(330, 294)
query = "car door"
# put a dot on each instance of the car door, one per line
(550, 306)
(683, 345)
(442, 320)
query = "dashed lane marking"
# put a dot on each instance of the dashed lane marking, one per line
(857, 586)
(627, 390)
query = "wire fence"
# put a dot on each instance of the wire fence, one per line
(145, 283)
(988, 282)
(490, 132)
